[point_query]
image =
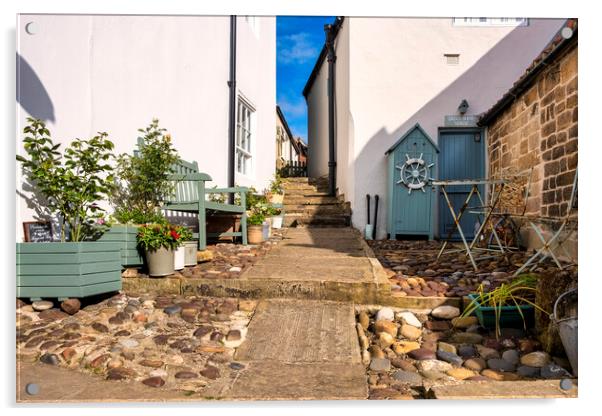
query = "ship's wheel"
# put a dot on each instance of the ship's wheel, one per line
(414, 174)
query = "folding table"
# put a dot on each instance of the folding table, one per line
(487, 209)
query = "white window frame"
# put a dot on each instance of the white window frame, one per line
(490, 21)
(253, 22)
(245, 137)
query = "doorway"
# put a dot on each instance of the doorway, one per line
(462, 156)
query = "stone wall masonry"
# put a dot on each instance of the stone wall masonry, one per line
(539, 130)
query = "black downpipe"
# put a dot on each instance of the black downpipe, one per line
(331, 57)
(232, 109)
(368, 206)
(375, 216)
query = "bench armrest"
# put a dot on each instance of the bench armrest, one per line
(189, 177)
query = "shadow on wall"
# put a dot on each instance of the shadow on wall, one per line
(31, 93)
(484, 83)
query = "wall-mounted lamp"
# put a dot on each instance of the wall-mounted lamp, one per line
(463, 107)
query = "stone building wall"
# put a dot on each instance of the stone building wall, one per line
(539, 130)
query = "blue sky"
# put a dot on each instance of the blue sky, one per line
(299, 40)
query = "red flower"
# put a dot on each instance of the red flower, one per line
(174, 235)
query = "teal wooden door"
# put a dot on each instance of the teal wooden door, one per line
(411, 162)
(462, 157)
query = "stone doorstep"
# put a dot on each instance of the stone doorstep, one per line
(522, 389)
(358, 292)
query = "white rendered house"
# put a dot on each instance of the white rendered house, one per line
(88, 73)
(393, 74)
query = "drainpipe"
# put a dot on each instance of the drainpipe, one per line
(331, 58)
(232, 109)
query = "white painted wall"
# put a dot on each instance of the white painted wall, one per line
(317, 125)
(85, 74)
(398, 77)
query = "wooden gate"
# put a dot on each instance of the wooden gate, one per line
(293, 170)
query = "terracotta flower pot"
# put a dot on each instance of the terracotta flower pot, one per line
(160, 262)
(255, 234)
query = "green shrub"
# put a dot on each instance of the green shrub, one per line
(71, 183)
(144, 176)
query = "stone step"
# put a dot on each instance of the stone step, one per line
(317, 209)
(309, 200)
(295, 180)
(295, 220)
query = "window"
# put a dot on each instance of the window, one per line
(244, 124)
(253, 23)
(490, 21)
(452, 58)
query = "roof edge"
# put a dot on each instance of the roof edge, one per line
(336, 26)
(558, 44)
(416, 126)
(287, 128)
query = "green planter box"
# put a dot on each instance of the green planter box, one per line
(124, 237)
(67, 270)
(509, 317)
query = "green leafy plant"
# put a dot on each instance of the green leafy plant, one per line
(72, 182)
(131, 215)
(220, 198)
(144, 176)
(520, 291)
(185, 232)
(273, 211)
(152, 237)
(276, 185)
(256, 218)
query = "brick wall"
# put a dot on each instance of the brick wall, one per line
(539, 129)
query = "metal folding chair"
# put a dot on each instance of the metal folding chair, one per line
(566, 227)
(507, 200)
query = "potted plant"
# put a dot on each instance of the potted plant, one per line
(67, 187)
(275, 217)
(123, 228)
(509, 305)
(159, 242)
(276, 192)
(140, 187)
(185, 254)
(255, 228)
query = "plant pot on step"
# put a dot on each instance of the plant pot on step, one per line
(277, 198)
(255, 234)
(160, 262)
(124, 236)
(277, 222)
(510, 317)
(190, 249)
(179, 258)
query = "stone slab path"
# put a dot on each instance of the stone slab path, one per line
(301, 350)
(324, 254)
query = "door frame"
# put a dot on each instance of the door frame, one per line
(465, 129)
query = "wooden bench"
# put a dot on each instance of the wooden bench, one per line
(190, 196)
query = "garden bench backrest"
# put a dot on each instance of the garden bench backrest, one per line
(185, 191)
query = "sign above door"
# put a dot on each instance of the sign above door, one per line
(461, 121)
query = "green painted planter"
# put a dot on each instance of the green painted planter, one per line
(67, 270)
(509, 317)
(125, 237)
